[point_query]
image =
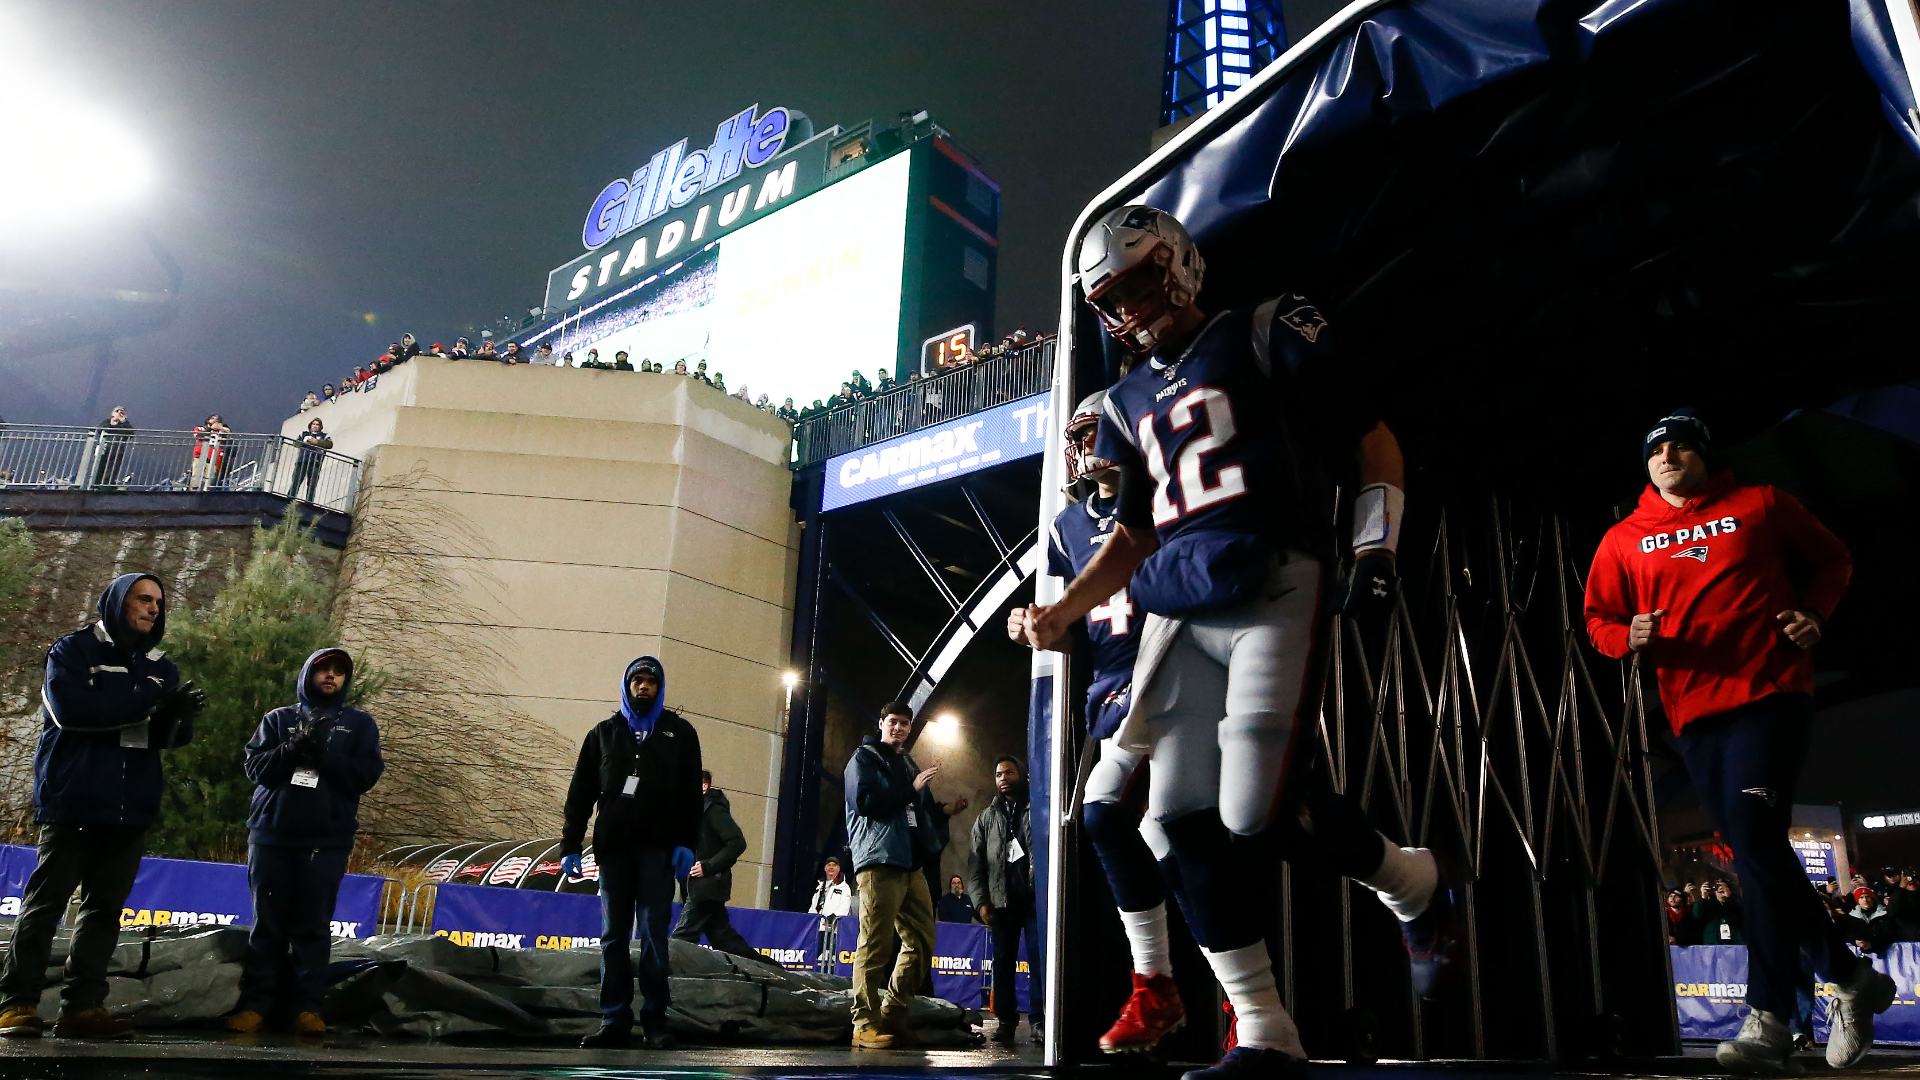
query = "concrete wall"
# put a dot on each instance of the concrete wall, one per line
(622, 513)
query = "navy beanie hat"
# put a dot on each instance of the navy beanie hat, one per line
(1679, 426)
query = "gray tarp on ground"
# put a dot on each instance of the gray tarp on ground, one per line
(429, 986)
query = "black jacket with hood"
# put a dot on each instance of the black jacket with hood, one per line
(664, 811)
(287, 814)
(98, 762)
(721, 845)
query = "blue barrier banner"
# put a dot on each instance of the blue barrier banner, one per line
(16, 863)
(976, 441)
(788, 938)
(1710, 989)
(483, 915)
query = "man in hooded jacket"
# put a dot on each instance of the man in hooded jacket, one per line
(638, 776)
(310, 762)
(111, 702)
(709, 884)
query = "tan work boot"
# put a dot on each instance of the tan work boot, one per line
(245, 1022)
(309, 1023)
(872, 1040)
(95, 1023)
(22, 1022)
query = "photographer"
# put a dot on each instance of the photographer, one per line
(111, 702)
(311, 761)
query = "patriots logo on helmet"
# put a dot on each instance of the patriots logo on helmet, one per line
(1305, 320)
(1697, 553)
(1140, 217)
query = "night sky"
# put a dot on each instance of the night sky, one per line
(428, 163)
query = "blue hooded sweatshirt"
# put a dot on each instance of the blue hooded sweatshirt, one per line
(641, 722)
(325, 813)
(94, 765)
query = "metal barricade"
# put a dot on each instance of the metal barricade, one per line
(102, 459)
(915, 405)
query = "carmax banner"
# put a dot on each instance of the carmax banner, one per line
(979, 441)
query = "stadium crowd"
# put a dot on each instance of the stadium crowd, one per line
(1874, 914)
(852, 392)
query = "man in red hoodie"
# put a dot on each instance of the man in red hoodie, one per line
(1700, 578)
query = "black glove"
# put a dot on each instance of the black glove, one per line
(1371, 586)
(177, 707)
(303, 743)
(186, 700)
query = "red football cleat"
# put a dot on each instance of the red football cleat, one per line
(1150, 1015)
(1233, 1028)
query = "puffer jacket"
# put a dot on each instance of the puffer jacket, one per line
(98, 760)
(325, 814)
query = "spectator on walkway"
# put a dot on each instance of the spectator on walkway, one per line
(1719, 915)
(487, 351)
(709, 883)
(314, 444)
(513, 355)
(310, 763)
(1000, 871)
(788, 413)
(409, 348)
(462, 349)
(115, 432)
(1904, 907)
(859, 383)
(1868, 925)
(638, 776)
(310, 402)
(1682, 929)
(885, 384)
(889, 812)
(328, 393)
(955, 905)
(543, 354)
(832, 900)
(110, 703)
(719, 382)
(680, 367)
(209, 453)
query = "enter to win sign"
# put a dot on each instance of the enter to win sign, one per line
(979, 441)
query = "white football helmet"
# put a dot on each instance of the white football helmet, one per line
(1081, 464)
(1137, 266)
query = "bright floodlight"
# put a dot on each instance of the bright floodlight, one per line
(67, 161)
(789, 679)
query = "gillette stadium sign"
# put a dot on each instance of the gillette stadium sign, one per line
(681, 199)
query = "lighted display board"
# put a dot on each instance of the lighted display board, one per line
(978, 441)
(788, 305)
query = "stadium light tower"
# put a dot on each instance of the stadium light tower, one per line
(1213, 48)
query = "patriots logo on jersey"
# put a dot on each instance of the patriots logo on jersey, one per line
(1697, 553)
(1305, 320)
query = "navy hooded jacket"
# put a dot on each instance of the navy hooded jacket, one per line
(664, 811)
(95, 764)
(325, 815)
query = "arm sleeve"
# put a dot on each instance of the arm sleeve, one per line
(268, 762)
(582, 792)
(690, 767)
(354, 764)
(1609, 601)
(1058, 564)
(977, 862)
(1803, 540)
(733, 844)
(1134, 506)
(74, 702)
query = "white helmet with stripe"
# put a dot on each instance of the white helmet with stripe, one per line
(1137, 267)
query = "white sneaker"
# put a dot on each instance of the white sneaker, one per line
(1850, 1014)
(1764, 1046)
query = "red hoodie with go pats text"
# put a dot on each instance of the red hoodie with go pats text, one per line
(1721, 568)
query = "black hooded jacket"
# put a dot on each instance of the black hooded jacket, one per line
(98, 762)
(663, 812)
(721, 845)
(325, 813)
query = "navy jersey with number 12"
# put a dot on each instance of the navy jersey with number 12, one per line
(1077, 535)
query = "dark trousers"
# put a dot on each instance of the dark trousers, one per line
(307, 473)
(294, 891)
(634, 886)
(709, 917)
(1008, 923)
(1745, 764)
(102, 861)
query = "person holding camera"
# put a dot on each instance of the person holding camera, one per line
(111, 702)
(310, 762)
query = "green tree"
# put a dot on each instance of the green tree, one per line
(245, 650)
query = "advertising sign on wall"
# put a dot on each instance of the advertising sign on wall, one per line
(977, 441)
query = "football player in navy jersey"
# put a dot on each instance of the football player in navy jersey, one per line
(1133, 850)
(1221, 538)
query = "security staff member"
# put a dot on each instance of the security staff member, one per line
(639, 776)
(1697, 580)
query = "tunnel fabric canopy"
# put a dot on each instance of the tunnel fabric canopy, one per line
(1548, 223)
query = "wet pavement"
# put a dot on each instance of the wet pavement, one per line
(207, 1055)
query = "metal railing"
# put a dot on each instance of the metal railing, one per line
(99, 459)
(916, 405)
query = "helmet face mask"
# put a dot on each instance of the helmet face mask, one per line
(1139, 267)
(1081, 462)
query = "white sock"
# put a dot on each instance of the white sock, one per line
(1147, 936)
(1405, 881)
(1247, 976)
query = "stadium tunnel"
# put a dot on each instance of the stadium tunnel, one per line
(1538, 226)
